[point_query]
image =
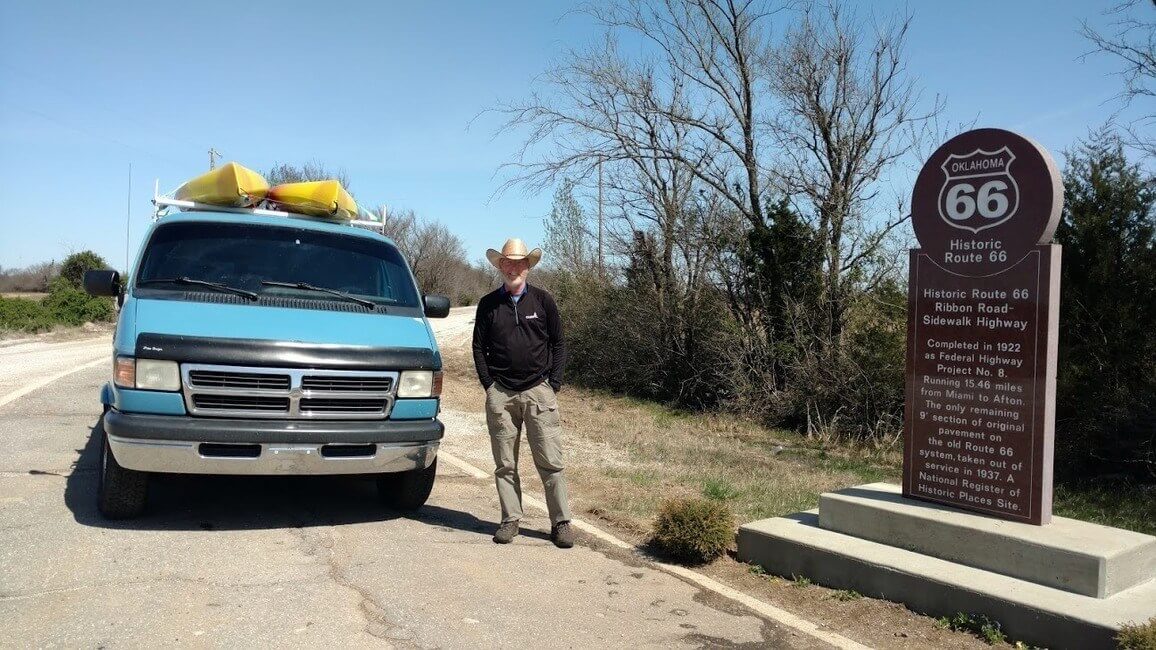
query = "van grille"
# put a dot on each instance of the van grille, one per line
(241, 403)
(245, 392)
(367, 406)
(353, 384)
(244, 380)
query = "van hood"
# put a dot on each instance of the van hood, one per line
(214, 320)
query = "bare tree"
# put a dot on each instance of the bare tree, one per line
(608, 110)
(1132, 42)
(703, 136)
(311, 171)
(705, 88)
(848, 113)
(435, 255)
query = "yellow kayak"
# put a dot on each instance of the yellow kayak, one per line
(316, 198)
(230, 184)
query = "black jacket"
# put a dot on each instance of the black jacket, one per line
(519, 345)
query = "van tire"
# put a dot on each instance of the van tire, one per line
(407, 491)
(121, 493)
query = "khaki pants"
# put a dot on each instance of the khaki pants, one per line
(506, 411)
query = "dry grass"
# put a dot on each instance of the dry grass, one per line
(625, 456)
(26, 295)
(1138, 636)
(60, 333)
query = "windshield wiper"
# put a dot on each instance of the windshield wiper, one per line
(203, 283)
(368, 304)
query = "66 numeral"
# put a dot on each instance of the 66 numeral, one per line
(989, 201)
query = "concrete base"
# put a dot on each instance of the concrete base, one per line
(1034, 613)
(1077, 556)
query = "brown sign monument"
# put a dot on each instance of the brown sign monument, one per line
(983, 308)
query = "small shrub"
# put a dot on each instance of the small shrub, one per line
(72, 306)
(757, 569)
(977, 624)
(844, 595)
(800, 581)
(1138, 636)
(693, 530)
(24, 315)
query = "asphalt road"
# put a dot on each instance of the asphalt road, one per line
(303, 561)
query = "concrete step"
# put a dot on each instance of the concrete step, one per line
(1036, 614)
(1077, 556)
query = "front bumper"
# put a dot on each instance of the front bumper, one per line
(187, 445)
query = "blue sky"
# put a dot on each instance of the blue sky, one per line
(389, 92)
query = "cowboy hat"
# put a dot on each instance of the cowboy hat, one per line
(514, 249)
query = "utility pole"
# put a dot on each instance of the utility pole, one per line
(601, 271)
(127, 219)
(213, 154)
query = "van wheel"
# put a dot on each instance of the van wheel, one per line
(122, 492)
(407, 491)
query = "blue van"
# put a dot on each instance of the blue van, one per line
(253, 342)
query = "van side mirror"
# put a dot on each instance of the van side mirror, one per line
(436, 306)
(102, 283)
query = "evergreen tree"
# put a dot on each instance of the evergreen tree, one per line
(568, 244)
(1106, 415)
(76, 264)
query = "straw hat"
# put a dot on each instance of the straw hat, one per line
(514, 249)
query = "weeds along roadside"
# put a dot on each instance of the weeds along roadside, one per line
(651, 453)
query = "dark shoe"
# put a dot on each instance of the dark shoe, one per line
(562, 534)
(506, 532)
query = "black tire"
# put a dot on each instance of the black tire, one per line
(121, 493)
(407, 491)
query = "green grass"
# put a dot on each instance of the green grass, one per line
(867, 467)
(719, 489)
(1121, 504)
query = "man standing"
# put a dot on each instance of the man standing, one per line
(519, 355)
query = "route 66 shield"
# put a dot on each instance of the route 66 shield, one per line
(979, 191)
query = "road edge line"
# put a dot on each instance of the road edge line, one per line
(37, 385)
(710, 584)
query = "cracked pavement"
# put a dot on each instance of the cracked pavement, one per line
(301, 561)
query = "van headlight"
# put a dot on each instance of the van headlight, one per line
(147, 374)
(420, 383)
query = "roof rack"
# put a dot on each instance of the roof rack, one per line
(162, 203)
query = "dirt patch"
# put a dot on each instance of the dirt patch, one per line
(59, 334)
(625, 457)
(873, 622)
(26, 295)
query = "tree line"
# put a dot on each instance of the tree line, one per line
(755, 259)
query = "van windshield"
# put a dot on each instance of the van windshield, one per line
(265, 260)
